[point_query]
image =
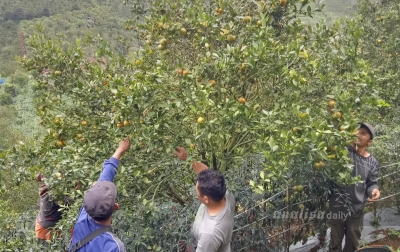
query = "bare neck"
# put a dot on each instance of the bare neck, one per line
(214, 208)
(361, 150)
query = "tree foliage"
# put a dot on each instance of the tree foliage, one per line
(247, 87)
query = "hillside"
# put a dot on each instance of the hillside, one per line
(103, 21)
(109, 15)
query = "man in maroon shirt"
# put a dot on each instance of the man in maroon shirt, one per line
(49, 213)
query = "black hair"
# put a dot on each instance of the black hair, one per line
(211, 183)
(103, 218)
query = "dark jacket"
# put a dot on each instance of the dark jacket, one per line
(356, 195)
(48, 214)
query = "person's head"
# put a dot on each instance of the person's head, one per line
(365, 135)
(210, 186)
(100, 201)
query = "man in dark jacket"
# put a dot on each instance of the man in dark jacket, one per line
(347, 204)
(49, 213)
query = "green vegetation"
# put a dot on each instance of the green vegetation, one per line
(246, 86)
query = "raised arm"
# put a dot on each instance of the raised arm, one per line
(183, 155)
(110, 166)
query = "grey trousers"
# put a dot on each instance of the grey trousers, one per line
(351, 228)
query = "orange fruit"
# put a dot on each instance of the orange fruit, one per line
(60, 143)
(183, 31)
(212, 82)
(230, 38)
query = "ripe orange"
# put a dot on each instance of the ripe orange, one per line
(180, 71)
(338, 115)
(230, 38)
(120, 125)
(84, 123)
(242, 100)
(219, 10)
(283, 3)
(332, 103)
(185, 72)
(126, 123)
(200, 119)
(60, 143)
(212, 82)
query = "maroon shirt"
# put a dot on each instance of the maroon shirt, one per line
(48, 213)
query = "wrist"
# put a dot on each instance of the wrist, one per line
(117, 154)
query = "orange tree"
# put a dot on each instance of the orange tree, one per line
(230, 81)
(379, 45)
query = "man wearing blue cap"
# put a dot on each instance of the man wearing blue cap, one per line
(353, 197)
(92, 231)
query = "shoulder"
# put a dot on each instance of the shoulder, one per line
(119, 244)
(372, 160)
(107, 242)
(230, 199)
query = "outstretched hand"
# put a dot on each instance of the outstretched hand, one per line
(375, 194)
(122, 147)
(181, 153)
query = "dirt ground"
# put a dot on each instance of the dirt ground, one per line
(391, 241)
